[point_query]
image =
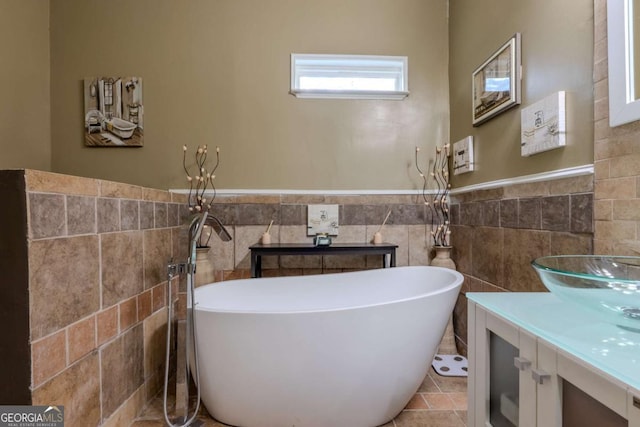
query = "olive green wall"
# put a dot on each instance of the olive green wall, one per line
(217, 72)
(557, 54)
(25, 127)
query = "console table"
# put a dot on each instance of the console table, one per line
(274, 249)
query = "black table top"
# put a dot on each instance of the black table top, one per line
(303, 246)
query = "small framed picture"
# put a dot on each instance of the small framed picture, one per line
(496, 83)
(113, 112)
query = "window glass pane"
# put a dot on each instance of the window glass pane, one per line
(337, 75)
(348, 83)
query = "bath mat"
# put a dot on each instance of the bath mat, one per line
(450, 365)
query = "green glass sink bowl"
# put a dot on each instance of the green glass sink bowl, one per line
(608, 284)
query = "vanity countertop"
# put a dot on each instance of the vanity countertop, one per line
(585, 334)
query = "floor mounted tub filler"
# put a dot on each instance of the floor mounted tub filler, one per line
(346, 349)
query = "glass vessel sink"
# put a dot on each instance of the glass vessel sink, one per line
(608, 284)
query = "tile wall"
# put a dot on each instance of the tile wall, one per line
(497, 233)
(247, 217)
(617, 161)
(97, 289)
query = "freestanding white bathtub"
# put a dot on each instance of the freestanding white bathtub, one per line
(347, 349)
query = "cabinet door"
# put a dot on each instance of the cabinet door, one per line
(502, 358)
(590, 398)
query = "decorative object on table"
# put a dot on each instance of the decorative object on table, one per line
(322, 219)
(377, 236)
(446, 362)
(544, 125)
(201, 182)
(266, 237)
(321, 239)
(113, 112)
(496, 83)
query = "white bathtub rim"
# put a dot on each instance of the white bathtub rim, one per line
(457, 281)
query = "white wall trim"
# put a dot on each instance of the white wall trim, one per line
(538, 177)
(270, 192)
(525, 179)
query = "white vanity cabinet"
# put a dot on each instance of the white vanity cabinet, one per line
(534, 361)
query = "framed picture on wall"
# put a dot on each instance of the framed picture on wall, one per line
(113, 112)
(496, 83)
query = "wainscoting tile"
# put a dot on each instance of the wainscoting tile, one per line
(154, 195)
(47, 215)
(124, 355)
(471, 213)
(155, 334)
(129, 215)
(556, 213)
(81, 215)
(107, 324)
(509, 213)
(122, 266)
(462, 241)
(81, 338)
(63, 292)
(147, 212)
(420, 245)
(78, 390)
(108, 215)
(222, 253)
(173, 215)
(128, 313)
(296, 215)
(520, 247)
(582, 213)
(567, 243)
(157, 253)
(161, 214)
(58, 183)
(145, 305)
(491, 213)
(529, 213)
(487, 254)
(48, 357)
(120, 190)
(257, 214)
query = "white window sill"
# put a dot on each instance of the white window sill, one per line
(342, 94)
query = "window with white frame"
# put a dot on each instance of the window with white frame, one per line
(349, 76)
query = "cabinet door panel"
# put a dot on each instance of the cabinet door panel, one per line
(581, 410)
(605, 390)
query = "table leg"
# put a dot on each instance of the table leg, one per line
(256, 265)
(393, 258)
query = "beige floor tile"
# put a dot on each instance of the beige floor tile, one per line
(428, 385)
(428, 419)
(449, 384)
(439, 401)
(459, 400)
(417, 402)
